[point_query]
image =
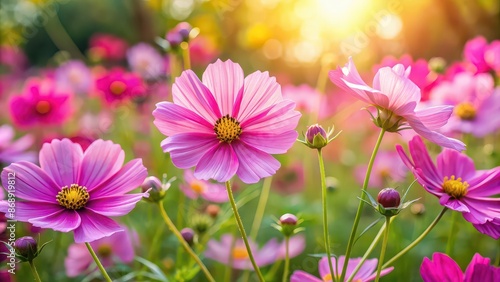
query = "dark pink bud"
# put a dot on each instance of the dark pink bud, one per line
(288, 219)
(389, 198)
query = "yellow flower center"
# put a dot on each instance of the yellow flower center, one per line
(227, 129)
(327, 277)
(197, 186)
(240, 253)
(117, 87)
(42, 107)
(465, 111)
(74, 197)
(455, 187)
(104, 251)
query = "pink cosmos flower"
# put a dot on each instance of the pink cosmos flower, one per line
(40, 104)
(74, 190)
(193, 188)
(118, 85)
(492, 56)
(14, 151)
(483, 56)
(202, 50)
(146, 61)
(289, 179)
(228, 124)
(272, 251)
(443, 268)
(117, 248)
(396, 97)
(476, 103)
(458, 185)
(107, 47)
(365, 273)
(74, 76)
(305, 97)
(387, 167)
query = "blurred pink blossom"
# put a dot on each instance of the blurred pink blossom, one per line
(107, 47)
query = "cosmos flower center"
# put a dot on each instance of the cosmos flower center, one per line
(104, 251)
(197, 186)
(455, 187)
(227, 129)
(240, 253)
(42, 107)
(327, 277)
(74, 197)
(117, 87)
(465, 111)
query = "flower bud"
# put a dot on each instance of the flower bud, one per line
(184, 29)
(389, 198)
(288, 219)
(437, 64)
(188, 235)
(316, 136)
(26, 247)
(212, 210)
(174, 38)
(156, 189)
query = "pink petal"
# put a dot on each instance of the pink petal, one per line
(441, 268)
(260, 92)
(220, 164)
(277, 119)
(94, 226)
(366, 269)
(123, 245)
(101, 160)
(453, 204)
(301, 276)
(61, 160)
(350, 81)
(476, 261)
(114, 205)
(254, 164)
(171, 119)
(225, 81)
(324, 268)
(383, 272)
(296, 246)
(268, 253)
(434, 117)
(452, 163)
(78, 260)
(403, 94)
(186, 188)
(433, 136)
(485, 183)
(215, 193)
(190, 93)
(490, 228)
(481, 210)
(269, 142)
(187, 149)
(28, 210)
(63, 220)
(31, 182)
(130, 177)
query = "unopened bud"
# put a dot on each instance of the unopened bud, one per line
(389, 198)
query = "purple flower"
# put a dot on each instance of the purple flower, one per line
(74, 190)
(146, 61)
(443, 268)
(118, 85)
(227, 124)
(458, 185)
(74, 76)
(365, 273)
(476, 103)
(117, 248)
(193, 188)
(15, 150)
(272, 251)
(396, 97)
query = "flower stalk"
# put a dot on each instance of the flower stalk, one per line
(98, 262)
(384, 247)
(287, 259)
(35, 273)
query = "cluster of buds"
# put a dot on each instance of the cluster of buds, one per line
(288, 224)
(389, 202)
(157, 189)
(316, 137)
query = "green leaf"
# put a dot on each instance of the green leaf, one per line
(368, 228)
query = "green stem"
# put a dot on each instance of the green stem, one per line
(35, 273)
(179, 221)
(452, 236)
(242, 230)
(287, 259)
(154, 242)
(98, 262)
(414, 243)
(325, 213)
(183, 242)
(368, 251)
(186, 60)
(361, 203)
(259, 213)
(61, 38)
(384, 247)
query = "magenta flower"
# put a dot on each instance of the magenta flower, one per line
(107, 47)
(118, 85)
(228, 124)
(117, 248)
(146, 61)
(396, 97)
(40, 104)
(458, 185)
(269, 253)
(443, 268)
(74, 76)
(475, 101)
(365, 273)
(74, 190)
(203, 50)
(193, 188)
(14, 151)
(483, 56)
(386, 167)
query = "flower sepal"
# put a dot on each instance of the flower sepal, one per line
(157, 189)
(388, 121)
(316, 137)
(389, 207)
(25, 248)
(288, 225)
